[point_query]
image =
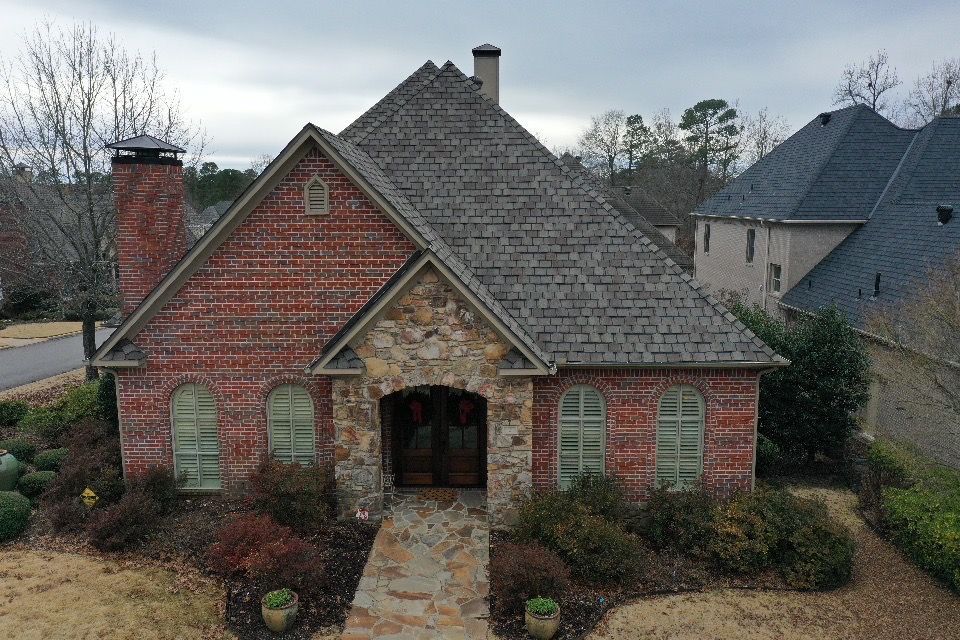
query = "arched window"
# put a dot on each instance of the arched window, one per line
(291, 425)
(196, 446)
(680, 424)
(316, 196)
(582, 427)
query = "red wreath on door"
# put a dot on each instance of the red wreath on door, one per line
(416, 411)
(465, 410)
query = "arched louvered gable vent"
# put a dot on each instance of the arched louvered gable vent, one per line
(316, 197)
(680, 426)
(292, 431)
(196, 445)
(582, 433)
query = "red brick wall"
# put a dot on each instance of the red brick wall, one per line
(151, 232)
(255, 314)
(632, 398)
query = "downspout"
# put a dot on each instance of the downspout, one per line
(756, 424)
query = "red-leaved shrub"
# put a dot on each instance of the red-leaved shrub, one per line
(297, 496)
(254, 546)
(519, 572)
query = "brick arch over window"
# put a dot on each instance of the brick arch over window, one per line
(632, 397)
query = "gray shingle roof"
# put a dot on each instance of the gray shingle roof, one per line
(585, 283)
(125, 351)
(902, 240)
(644, 204)
(634, 217)
(835, 171)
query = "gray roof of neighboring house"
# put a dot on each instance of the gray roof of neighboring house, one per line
(588, 286)
(902, 240)
(630, 213)
(832, 171)
(644, 204)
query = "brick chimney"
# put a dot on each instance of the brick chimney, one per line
(486, 67)
(151, 231)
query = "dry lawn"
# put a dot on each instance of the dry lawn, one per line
(18, 335)
(45, 391)
(49, 595)
(887, 598)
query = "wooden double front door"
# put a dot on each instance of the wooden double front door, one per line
(439, 437)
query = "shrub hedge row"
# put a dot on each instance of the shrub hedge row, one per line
(917, 503)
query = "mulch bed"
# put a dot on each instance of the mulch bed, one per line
(345, 546)
(584, 605)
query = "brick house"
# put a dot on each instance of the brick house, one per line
(429, 297)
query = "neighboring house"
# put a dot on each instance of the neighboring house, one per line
(857, 218)
(199, 222)
(760, 234)
(623, 200)
(429, 297)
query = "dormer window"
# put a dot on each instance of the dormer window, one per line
(316, 196)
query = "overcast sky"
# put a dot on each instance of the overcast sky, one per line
(254, 72)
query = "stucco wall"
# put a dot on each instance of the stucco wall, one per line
(908, 405)
(797, 248)
(432, 337)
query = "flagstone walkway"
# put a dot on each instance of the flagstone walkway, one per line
(427, 572)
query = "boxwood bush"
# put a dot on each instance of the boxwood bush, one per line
(11, 412)
(753, 532)
(48, 423)
(21, 448)
(51, 459)
(14, 514)
(32, 485)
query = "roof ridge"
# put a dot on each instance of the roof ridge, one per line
(896, 173)
(396, 106)
(619, 217)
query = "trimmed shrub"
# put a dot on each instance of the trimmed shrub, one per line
(519, 572)
(67, 516)
(117, 526)
(80, 403)
(769, 457)
(51, 459)
(744, 537)
(21, 448)
(890, 465)
(33, 484)
(926, 525)
(817, 554)
(294, 495)
(160, 484)
(256, 547)
(12, 411)
(601, 495)
(46, 422)
(681, 520)
(596, 549)
(14, 514)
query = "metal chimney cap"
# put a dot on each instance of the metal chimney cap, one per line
(145, 143)
(486, 50)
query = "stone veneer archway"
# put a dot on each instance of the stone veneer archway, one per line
(430, 336)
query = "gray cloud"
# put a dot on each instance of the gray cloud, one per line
(254, 72)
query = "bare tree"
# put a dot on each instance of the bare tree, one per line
(68, 93)
(869, 83)
(924, 330)
(258, 164)
(935, 94)
(762, 133)
(602, 145)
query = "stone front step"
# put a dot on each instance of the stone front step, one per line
(426, 576)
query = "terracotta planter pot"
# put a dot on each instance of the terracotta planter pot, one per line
(542, 627)
(279, 620)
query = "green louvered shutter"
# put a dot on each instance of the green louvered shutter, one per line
(582, 427)
(292, 430)
(196, 445)
(680, 425)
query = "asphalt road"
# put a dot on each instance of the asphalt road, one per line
(20, 365)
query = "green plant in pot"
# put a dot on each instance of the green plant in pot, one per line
(279, 609)
(542, 618)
